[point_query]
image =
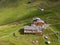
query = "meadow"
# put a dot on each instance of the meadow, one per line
(15, 14)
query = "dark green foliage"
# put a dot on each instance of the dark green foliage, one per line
(21, 31)
(53, 0)
(8, 3)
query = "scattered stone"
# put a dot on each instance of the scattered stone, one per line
(35, 41)
(46, 37)
(48, 42)
(41, 9)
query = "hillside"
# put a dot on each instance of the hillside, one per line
(15, 14)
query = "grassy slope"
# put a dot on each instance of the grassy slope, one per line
(25, 12)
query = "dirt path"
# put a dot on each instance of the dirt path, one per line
(54, 32)
(52, 29)
(8, 35)
(3, 26)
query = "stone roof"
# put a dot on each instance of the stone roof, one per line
(38, 19)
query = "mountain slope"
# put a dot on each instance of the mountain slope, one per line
(15, 14)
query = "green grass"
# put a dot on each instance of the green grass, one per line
(19, 11)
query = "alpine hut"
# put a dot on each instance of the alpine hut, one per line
(36, 27)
